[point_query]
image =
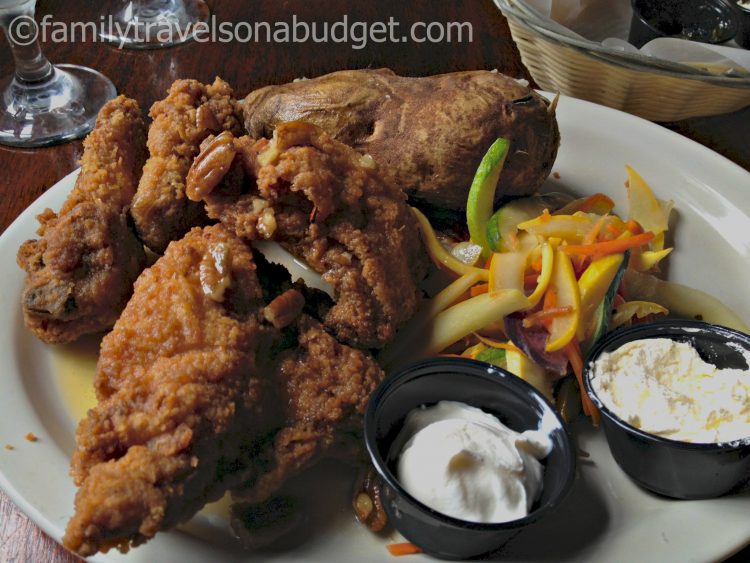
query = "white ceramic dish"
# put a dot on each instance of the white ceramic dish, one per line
(606, 517)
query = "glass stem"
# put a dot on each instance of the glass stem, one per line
(31, 64)
(150, 8)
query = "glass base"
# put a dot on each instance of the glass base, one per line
(154, 24)
(52, 111)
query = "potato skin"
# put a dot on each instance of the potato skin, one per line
(428, 133)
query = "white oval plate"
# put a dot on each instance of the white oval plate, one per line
(606, 517)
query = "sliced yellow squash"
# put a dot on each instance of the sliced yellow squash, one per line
(507, 270)
(542, 282)
(648, 259)
(520, 365)
(571, 228)
(593, 285)
(563, 328)
(681, 300)
(638, 309)
(439, 254)
(470, 316)
(648, 211)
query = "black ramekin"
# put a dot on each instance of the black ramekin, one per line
(672, 468)
(516, 403)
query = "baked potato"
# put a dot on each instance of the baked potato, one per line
(429, 133)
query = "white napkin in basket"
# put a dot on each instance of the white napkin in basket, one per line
(608, 22)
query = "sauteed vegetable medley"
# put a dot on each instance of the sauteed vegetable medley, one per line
(543, 277)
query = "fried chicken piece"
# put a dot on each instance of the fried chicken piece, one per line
(325, 387)
(190, 113)
(81, 271)
(183, 405)
(328, 205)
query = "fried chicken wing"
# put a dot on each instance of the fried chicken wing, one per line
(191, 112)
(81, 271)
(198, 395)
(183, 403)
(328, 205)
(325, 387)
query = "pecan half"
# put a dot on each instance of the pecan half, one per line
(285, 309)
(214, 272)
(205, 118)
(210, 166)
(366, 501)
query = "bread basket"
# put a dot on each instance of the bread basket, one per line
(562, 61)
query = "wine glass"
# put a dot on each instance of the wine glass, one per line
(43, 104)
(150, 24)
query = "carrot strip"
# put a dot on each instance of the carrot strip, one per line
(576, 362)
(633, 226)
(406, 548)
(473, 351)
(573, 351)
(549, 302)
(577, 262)
(591, 236)
(596, 200)
(610, 246)
(541, 317)
(550, 299)
(614, 231)
(536, 265)
(496, 344)
(479, 289)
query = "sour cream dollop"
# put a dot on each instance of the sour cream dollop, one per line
(463, 462)
(664, 387)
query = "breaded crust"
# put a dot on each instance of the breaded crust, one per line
(181, 403)
(191, 112)
(328, 205)
(81, 271)
(325, 386)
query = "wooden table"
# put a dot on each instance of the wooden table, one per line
(146, 75)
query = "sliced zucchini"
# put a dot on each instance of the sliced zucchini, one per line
(494, 356)
(481, 198)
(604, 311)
